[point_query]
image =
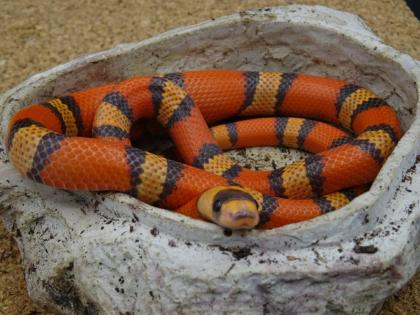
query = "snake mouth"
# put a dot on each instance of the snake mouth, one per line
(242, 219)
(243, 215)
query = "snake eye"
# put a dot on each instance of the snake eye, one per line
(217, 206)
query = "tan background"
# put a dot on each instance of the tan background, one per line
(37, 34)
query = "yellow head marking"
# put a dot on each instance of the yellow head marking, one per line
(230, 206)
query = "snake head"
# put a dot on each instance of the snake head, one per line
(232, 207)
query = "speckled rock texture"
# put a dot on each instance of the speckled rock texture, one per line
(109, 253)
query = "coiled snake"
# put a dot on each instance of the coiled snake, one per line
(81, 142)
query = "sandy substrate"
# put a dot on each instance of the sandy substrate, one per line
(37, 34)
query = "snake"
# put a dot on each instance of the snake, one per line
(82, 141)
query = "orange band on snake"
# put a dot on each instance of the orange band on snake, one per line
(51, 143)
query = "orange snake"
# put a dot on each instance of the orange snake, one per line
(82, 142)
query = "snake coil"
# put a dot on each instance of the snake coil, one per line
(82, 142)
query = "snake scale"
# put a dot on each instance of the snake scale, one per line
(82, 142)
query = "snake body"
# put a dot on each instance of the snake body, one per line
(81, 142)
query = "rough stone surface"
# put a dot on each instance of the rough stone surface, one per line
(90, 253)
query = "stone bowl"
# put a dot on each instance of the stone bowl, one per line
(108, 253)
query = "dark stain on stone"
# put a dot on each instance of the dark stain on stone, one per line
(237, 252)
(411, 171)
(393, 270)
(357, 240)
(32, 268)
(63, 292)
(366, 219)
(230, 268)
(318, 258)
(90, 309)
(172, 243)
(240, 253)
(34, 225)
(95, 206)
(266, 310)
(154, 231)
(369, 249)
(135, 218)
(268, 261)
(410, 208)
(354, 261)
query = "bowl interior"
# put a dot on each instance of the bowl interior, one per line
(267, 44)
